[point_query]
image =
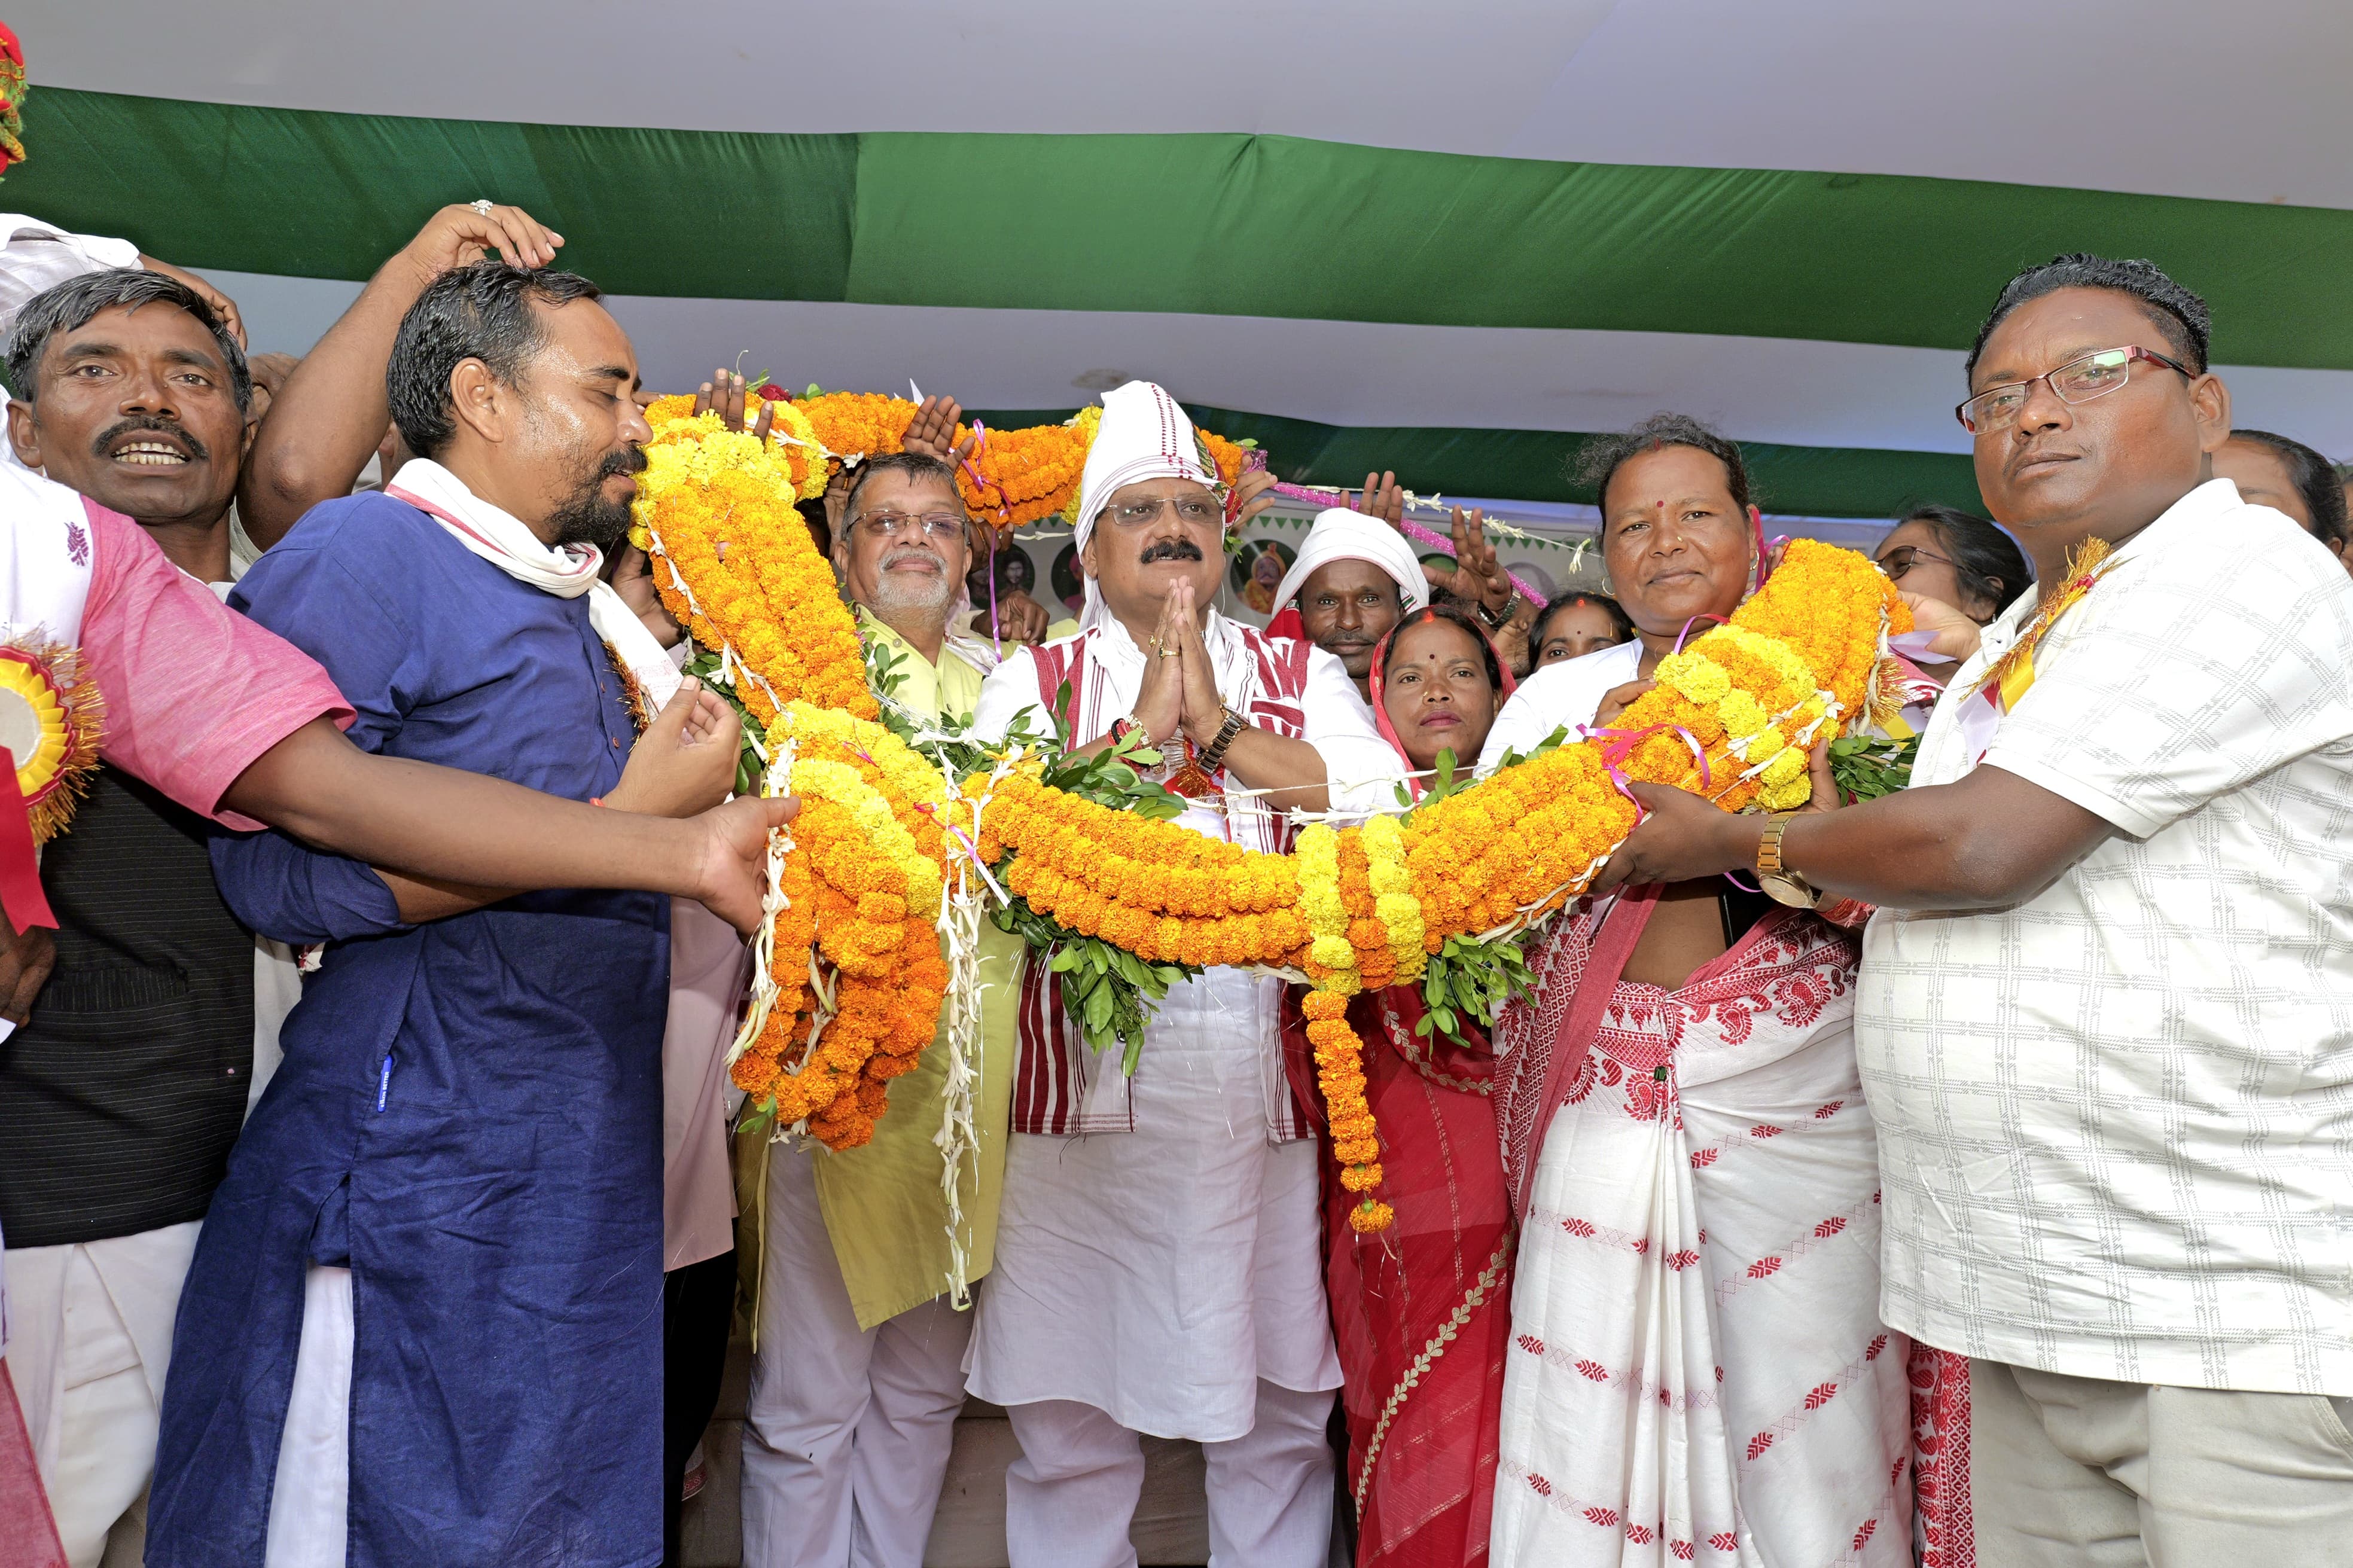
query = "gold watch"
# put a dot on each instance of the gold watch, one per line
(1782, 885)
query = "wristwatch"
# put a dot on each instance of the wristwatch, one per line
(1781, 884)
(1213, 755)
(1495, 621)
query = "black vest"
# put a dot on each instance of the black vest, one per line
(119, 1102)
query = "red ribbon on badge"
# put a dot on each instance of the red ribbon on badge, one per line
(20, 866)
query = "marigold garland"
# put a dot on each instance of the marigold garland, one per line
(734, 564)
(1012, 478)
(1734, 716)
(863, 890)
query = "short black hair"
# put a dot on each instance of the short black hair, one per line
(915, 466)
(1574, 596)
(76, 303)
(480, 312)
(1453, 615)
(1987, 561)
(2319, 484)
(2176, 312)
(1602, 456)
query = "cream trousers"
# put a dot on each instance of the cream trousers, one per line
(2077, 1472)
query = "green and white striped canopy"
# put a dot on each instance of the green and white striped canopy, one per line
(1438, 238)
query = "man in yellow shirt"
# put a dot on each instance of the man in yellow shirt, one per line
(859, 1373)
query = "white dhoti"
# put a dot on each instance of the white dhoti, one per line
(1169, 1281)
(89, 1342)
(846, 1433)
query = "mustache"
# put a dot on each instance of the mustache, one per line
(909, 552)
(155, 422)
(626, 460)
(1170, 550)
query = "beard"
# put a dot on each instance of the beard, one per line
(587, 517)
(908, 591)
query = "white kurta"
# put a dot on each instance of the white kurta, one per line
(1157, 1274)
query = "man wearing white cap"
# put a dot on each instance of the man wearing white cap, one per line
(1157, 1256)
(1355, 577)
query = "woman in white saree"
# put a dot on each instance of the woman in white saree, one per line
(1697, 1370)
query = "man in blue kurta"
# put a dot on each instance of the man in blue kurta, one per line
(423, 1323)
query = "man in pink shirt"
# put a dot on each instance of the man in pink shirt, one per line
(232, 722)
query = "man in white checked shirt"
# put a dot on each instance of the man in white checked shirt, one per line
(2105, 1017)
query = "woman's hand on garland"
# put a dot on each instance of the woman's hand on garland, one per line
(1617, 699)
(1020, 618)
(1253, 493)
(632, 578)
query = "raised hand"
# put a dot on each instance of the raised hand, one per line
(1382, 496)
(730, 871)
(222, 305)
(1020, 618)
(685, 761)
(726, 394)
(1253, 493)
(931, 432)
(458, 236)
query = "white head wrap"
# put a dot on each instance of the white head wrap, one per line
(1340, 535)
(1144, 436)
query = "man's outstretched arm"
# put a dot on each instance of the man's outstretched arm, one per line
(1987, 840)
(441, 824)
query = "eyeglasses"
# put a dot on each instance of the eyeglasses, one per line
(2078, 381)
(939, 527)
(1193, 510)
(1898, 561)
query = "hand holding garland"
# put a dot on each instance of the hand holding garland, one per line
(932, 432)
(1987, 840)
(725, 394)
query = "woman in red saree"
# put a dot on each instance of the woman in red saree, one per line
(1421, 1312)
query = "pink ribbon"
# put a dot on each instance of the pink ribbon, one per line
(1618, 744)
(1412, 529)
(1692, 622)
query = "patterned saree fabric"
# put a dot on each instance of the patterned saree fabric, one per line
(1697, 1370)
(1421, 1312)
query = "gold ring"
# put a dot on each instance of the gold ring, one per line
(1167, 652)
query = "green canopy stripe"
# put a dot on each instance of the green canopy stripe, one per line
(1233, 225)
